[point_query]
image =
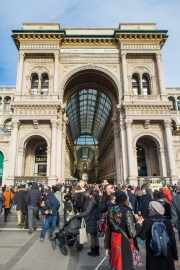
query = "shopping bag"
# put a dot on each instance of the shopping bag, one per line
(82, 233)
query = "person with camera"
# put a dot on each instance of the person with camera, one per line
(49, 210)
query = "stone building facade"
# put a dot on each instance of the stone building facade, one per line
(90, 101)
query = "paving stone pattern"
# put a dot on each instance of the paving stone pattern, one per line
(21, 251)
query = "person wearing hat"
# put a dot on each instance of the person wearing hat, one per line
(120, 228)
(161, 262)
(162, 200)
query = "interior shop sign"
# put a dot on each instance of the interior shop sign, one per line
(40, 159)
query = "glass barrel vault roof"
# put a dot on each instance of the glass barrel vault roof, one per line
(87, 112)
(85, 154)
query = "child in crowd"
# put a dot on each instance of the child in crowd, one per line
(111, 200)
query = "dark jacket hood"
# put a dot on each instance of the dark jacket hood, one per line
(34, 185)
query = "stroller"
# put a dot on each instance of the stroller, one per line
(67, 235)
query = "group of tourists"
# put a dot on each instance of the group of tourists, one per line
(121, 214)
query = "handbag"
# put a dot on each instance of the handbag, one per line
(82, 233)
(137, 259)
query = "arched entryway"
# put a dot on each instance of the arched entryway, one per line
(90, 98)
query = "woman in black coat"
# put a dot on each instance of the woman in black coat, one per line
(91, 215)
(160, 262)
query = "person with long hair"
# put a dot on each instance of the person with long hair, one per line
(91, 215)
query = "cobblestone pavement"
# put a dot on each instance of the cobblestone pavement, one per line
(21, 251)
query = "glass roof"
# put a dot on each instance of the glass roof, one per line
(85, 154)
(87, 112)
(85, 140)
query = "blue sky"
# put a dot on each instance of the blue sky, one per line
(90, 13)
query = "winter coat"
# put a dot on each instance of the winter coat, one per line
(121, 217)
(58, 195)
(34, 196)
(2, 200)
(78, 198)
(143, 205)
(133, 201)
(50, 205)
(161, 262)
(8, 196)
(167, 192)
(175, 211)
(91, 215)
(23, 204)
(103, 207)
(150, 193)
(18, 200)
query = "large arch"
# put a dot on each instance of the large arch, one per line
(105, 72)
(28, 137)
(153, 136)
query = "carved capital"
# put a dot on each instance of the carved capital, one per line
(167, 123)
(158, 56)
(56, 55)
(15, 123)
(53, 123)
(123, 55)
(146, 124)
(60, 124)
(21, 56)
(128, 123)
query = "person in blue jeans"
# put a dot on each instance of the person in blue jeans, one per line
(49, 210)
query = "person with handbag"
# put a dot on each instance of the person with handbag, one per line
(91, 215)
(120, 231)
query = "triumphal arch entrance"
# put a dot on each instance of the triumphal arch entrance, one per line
(90, 101)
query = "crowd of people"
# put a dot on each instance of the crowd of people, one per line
(126, 213)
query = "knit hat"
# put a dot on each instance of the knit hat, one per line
(161, 195)
(120, 196)
(157, 207)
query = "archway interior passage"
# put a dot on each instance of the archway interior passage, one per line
(88, 111)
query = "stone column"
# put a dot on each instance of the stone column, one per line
(52, 179)
(117, 154)
(160, 76)
(20, 160)
(56, 63)
(63, 158)
(162, 162)
(135, 161)
(169, 146)
(132, 177)
(59, 150)
(124, 165)
(20, 73)
(124, 73)
(48, 151)
(39, 86)
(13, 151)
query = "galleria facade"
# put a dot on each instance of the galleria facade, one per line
(89, 101)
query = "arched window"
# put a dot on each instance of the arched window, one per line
(7, 125)
(178, 103)
(146, 85)
(0, 103)
(135, 85)
(173, 107)
(7, 103)
(34, 84)
(44, 84)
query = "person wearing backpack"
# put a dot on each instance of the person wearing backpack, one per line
(161, 249)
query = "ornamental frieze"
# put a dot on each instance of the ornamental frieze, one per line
(39, 60)
(89, 59)
(150, 126)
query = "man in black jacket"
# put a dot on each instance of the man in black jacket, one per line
(33, 201)
(175, 210)
(103, 204)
